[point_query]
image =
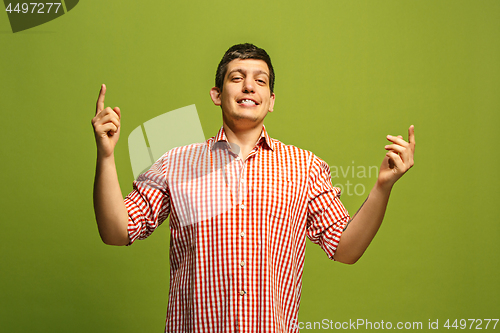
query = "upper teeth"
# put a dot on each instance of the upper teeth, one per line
(247, 101)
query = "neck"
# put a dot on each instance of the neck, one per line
(244, 138)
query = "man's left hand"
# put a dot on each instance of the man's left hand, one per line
(398, 159)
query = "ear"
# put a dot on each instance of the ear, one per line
(215, 95)
(271, 103)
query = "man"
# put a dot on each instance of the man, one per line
(241, 205)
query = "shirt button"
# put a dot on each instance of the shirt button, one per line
(242, 263)
(242, 206)
(242, 292)
(243, 180)
(242, 234)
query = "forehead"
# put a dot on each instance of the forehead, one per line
(254, 66)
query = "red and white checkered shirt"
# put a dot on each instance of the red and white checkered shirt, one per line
(238, 231)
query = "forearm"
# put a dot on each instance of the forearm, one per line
(362, 228)
(110, 211)
(364, 225)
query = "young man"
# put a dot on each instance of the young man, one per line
(241, 205)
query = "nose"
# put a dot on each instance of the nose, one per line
(248, 85)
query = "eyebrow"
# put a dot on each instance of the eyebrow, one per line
(240, 70)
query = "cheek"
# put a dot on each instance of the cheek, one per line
(226, 96)
(226, 101)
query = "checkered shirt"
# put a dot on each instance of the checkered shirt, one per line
(238, 231)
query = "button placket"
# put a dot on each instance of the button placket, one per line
(242, 206)
(242, 251)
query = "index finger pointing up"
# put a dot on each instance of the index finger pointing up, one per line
(100, 99)
(411, 134)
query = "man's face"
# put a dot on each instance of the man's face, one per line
(245, 97)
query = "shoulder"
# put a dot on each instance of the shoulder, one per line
(293, 152)
(184, 154)
(188, 149)
(282, 147)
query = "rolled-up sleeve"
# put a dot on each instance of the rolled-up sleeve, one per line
(148, 205)
(327, 216)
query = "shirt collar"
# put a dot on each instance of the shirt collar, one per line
(264, 138)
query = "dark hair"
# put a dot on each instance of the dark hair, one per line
(243, 51)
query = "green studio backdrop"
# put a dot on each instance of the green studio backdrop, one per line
(347, 74)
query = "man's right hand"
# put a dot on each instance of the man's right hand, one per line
(110, 211)
(106, 126)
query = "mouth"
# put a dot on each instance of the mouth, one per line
(247, 102)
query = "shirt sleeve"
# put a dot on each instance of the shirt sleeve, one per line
(148, 205)
(327, 216)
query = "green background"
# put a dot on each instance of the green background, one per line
(348, 73)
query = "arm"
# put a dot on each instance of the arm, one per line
(110, 211)
(363, 226)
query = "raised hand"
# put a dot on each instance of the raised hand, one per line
(366, 222)
(398, 159)
(106, 126)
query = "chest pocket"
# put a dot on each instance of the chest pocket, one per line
(280, 199)
(200, 197)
